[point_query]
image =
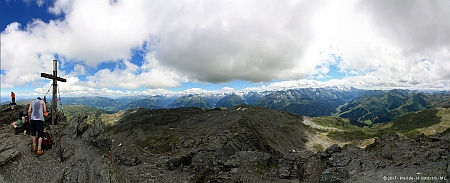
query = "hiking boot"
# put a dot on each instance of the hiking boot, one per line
(34, 149)
(39, 152)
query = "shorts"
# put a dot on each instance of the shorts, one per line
(19, 122)
(38, 126)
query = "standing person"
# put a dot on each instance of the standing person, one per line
(36, 116)
(13, 98)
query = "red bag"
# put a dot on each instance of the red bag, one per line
(47, 141)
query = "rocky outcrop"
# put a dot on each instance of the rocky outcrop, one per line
(389, 158)
(8, 151)
(255, 145)
(82, 161)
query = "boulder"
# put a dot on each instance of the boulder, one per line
(248, 156)
(334, 175)
(333, 149)
(339, 159)
(8, 155)
(97, 136)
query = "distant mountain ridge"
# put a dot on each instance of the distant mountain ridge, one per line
(103, 103)
(230, 101)
(390, 105)
(363, 107)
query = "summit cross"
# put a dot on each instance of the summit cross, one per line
(55, 78)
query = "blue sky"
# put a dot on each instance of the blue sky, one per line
(138, 47)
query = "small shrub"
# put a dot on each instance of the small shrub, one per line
(318, 147)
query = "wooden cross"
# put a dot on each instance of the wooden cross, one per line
(55, 78)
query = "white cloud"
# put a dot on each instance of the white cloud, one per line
(158, 91)
(257, 41)
(380, 43)
(79, 69)
(151, 75)
(194, 91)
(227, 89)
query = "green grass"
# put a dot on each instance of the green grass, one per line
(335, 122)
(351, 133)
(72, 110)
(318, 147)
(413, 121)
(410, 124)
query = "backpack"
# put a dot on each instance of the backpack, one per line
(47, 141)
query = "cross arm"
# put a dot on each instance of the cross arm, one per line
(50, 76)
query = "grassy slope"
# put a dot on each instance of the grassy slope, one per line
(429, 122)
(72, 110)
(350, 133)
(435, 126)
(385, 108)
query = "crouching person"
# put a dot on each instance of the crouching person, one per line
(22, 119)
(36, 116)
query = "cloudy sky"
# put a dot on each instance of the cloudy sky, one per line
(123, 47)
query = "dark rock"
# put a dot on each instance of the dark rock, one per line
(288, 166)
(386, 155)
(128, 161)
(77, 125)
(97, 136)
(434, 155)
(334, 175)
(366, 165)
(339, 159)
(59, 177)
(68, 152)
(333, 149)
(390, 137)
(176, 163)
(443, 152)
(248, 156)
(8, 155)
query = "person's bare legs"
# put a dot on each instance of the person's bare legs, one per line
(24, 120)
(40, 143)
(33, 138)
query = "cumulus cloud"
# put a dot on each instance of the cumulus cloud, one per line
(206, 41)
(391, 44)
(418, 26)
(376, 43)
(150, 74)
(220, 42)
(417, 31)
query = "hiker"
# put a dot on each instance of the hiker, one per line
(13, 98)
(36, 116)
(23, 115)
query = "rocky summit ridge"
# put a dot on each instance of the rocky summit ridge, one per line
(240, 144)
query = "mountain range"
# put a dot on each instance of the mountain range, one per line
(362, 107)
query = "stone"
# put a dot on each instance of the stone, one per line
(248, 156)
(333, 149)
(339, 159)
(334, 175)
(8, 155)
